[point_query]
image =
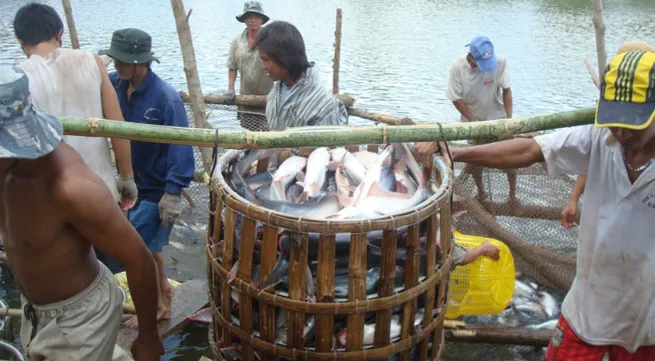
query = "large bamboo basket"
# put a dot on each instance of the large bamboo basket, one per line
(226, 205)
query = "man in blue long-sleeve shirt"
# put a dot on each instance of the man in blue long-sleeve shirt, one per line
(160, 170)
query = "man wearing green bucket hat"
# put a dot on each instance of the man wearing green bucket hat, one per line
(244, 59)
(610, 306)
(161, 171)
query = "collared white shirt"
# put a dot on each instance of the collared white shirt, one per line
(612, 299)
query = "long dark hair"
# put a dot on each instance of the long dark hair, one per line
(284, 44)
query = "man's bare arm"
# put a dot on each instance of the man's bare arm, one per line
(578, 188)
(464, 110)
(231, 79)
(507, 101)
(112, 110)
(91, 211)
(513, 153)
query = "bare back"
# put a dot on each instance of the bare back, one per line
(50, 260)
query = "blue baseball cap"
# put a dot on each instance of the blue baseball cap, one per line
(482, 50)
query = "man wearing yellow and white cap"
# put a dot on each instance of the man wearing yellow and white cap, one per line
(570, 210)
(610, 307)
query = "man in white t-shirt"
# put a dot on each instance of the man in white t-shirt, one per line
(475, 83)
(610, 307)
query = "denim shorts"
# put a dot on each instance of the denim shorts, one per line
(145, 219)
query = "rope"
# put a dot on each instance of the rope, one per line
(214, 155)
(450, 156)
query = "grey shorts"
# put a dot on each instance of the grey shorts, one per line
(83, 327)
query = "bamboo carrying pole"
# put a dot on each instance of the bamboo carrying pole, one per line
(339, 136)
(337, 55)
(191, 72)
(68, 11)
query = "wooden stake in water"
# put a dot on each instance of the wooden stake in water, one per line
(71, 23)
(599, 25)
(337, 55)
(191, 72)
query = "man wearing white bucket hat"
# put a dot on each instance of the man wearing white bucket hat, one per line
(72, 303)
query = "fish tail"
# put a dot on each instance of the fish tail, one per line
(342, 337)
(311, 292)
(280, 269)
(233, 272)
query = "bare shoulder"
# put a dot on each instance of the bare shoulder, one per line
(75, 186)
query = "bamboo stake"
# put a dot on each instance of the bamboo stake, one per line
(191, 72)
(507, 336)
(337, 55)
(255, 101)
(68, 11)
(338, 136)
(259, 101)
(599, 26)
(592, 72)
(11, 312)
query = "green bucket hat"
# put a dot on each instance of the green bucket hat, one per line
(131, 46)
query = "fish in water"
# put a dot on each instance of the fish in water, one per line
(549, 304)
(548, 325)
(529, 309)
(522, 289)
(286, 172)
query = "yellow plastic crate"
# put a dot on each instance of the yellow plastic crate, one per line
(482, 287)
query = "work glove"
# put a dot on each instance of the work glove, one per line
(169, 209)
(128, 192)
(230, 96)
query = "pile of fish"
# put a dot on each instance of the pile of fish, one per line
(531, 307)
(335, 183)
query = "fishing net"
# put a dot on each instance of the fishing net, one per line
(541, 246)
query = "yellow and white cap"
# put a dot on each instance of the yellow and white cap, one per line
(627, 92)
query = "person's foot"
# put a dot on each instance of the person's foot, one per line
(165, 300)
(163, 308)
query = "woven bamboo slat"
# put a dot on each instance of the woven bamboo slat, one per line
(247, 315)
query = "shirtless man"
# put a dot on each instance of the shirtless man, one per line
(53, 209)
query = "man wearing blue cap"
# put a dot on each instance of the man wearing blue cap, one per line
(475, 83)
(53, 209)
(610, 306)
